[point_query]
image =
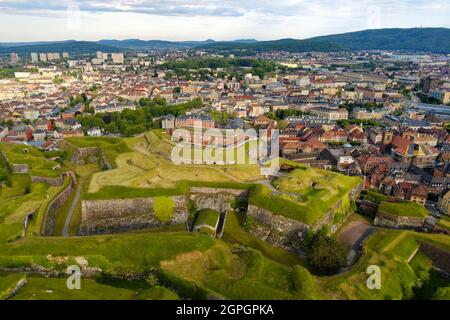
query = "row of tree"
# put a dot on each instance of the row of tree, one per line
(184, 68)
(131, 122)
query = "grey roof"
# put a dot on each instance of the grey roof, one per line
(196, 116)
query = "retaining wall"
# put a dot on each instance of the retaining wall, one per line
(277, 230)
(119, 215)
(386, 220)
(54, 182)
(48, 226)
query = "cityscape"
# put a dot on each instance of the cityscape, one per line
(244, 169)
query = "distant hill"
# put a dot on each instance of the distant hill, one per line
(137, 44)
(291, 45)
(417, 39)
(73, 47)
(112, 45)
(435, 40)
(246, 40)
(161, 44)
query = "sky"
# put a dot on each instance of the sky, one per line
(176, 20)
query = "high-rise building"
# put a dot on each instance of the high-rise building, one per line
(53, 56)
(430, 84)
(97, 61)
(43, 57)
(34, 57)
(99, 55)
(118, 58)
(105, 56)
(14, 57)
(65, 55)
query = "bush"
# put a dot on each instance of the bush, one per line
(325, 254)
(164, 208)
(305, 287)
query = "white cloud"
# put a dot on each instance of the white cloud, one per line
(201, 19)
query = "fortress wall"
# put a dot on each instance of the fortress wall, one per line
(48, 226)
(20, 168)
(277, 230)
(110, 216)
(287, 233)
(235, 192)
(118, 215)
(88, 151)
(54, 182)
(328, 218)
(216, 199)
(80, 154)
(398, 222)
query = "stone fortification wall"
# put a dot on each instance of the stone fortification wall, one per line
(119, 215)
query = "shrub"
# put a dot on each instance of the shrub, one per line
(163, 208)
(325, 254)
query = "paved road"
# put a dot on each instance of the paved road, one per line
(65, 232)
(353, 236)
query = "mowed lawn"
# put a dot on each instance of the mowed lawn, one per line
(137, 252)
(144, 168)
(43, 288)
(305, 194)
(19, 200)
(393, 251)
(404, 208)
(239, 273)
(315, 183)
(38, 164)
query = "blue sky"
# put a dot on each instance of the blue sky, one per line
(26, 20)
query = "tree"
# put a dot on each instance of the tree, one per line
(111, 127)
(325, 254)
(215, 115)
(271, 115)
(57, 80)
(224, 118)
(282, 124)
